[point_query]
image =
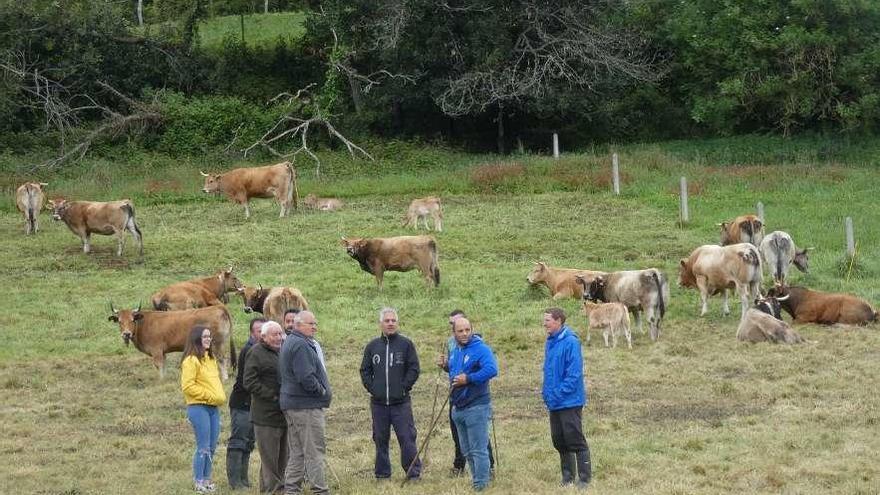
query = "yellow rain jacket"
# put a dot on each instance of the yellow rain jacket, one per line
(200, 381)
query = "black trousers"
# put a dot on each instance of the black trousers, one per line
(401, 418)
(566, 430)
(459, 461)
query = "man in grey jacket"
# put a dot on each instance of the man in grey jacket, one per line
(305, 393)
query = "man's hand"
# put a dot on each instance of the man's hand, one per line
(443, 361)
(460, 380)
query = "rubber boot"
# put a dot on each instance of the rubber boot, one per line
(567, 462)
(245, 464)
(585, 470)
(233, 468)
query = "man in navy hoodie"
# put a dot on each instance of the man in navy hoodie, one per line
(389, 370)
(471, 366)
(564, 394)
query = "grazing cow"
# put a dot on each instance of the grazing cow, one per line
(562, 282)
(779, 252)
(85, 218)
(398, 254)
(713, 269)
(241, 184)
(420, 208)
(156, 333)
(610, 317)
(322, 204)
(30, 199)
(641, 291)
(197, 293)
(758, 326)
(809, 306)
(746, 228)
(273, 302)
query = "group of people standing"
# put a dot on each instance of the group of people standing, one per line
(282, 389)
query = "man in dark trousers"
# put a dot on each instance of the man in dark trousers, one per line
(270, 428)
(241, 440)
(389, 370)
(458, 462)
(565, 396)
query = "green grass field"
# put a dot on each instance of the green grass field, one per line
(259, 29)
(696, 412)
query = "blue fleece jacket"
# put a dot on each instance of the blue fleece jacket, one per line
(474, 359)
(563, 371)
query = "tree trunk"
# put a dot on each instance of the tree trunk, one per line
(140, 12)
(241, 17)
(266, 7)
(355, 88)
(500, 129)
(396, 114)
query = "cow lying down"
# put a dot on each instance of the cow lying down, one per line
(825, 308)
(762, 324)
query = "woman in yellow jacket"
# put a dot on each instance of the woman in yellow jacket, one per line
(203, 391)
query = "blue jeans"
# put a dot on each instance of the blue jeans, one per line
(473, 434)
(205, 421)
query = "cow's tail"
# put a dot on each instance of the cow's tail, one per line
(781, 246)
(292, 192)
(435, 268)
(132, 226)
(31, 195)
(227, 320)
(661, 305)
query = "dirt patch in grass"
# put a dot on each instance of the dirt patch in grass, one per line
(487, 178)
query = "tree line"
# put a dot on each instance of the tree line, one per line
(485, 74)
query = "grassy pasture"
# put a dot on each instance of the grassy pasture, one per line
(259, 29)
(696, 412)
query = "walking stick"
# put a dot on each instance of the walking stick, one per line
(495, 441)
(427, 437)
(434, 404)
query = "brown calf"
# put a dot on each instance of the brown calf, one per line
(85, 218)
(745, 228)
(156, 333)
(398, 254)
(30, 199)
(420, 208)
(241, 184)
(322, 204)
(810, 306)
(273, 302)
(197, 293)
(562, 282)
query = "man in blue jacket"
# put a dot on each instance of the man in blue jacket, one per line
(389, 369)
(471, 366)
(564, 394)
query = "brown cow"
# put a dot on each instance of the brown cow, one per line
(745, 228)
(156, 333)
(29, 199)
(273, 302)
(323, 204)
(713, 269)
(197, 293)
(398, 254)
(562, 282)
(810, 306)
(420, 208)
(241, 184)
(85, 218)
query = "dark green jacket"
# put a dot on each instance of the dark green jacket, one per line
(262, 381)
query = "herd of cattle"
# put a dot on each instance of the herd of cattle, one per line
(608, 297)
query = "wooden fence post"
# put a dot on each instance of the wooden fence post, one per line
(760, 208)
(556, 146)
(850, 238)
(615, 173)
(685, 217)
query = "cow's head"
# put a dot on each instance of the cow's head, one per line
(802, 260)
(595, 291)
(725, 232)
(769, 305)
(253, 297)
(354, 246)
(686, 276)
(127, 319)
(58, 207)
(212, 182)
(539, 273)
(230, 282)
(778, 291)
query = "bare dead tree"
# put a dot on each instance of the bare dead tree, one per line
(554, 44)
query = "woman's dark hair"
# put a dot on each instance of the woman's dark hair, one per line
(194, 346)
